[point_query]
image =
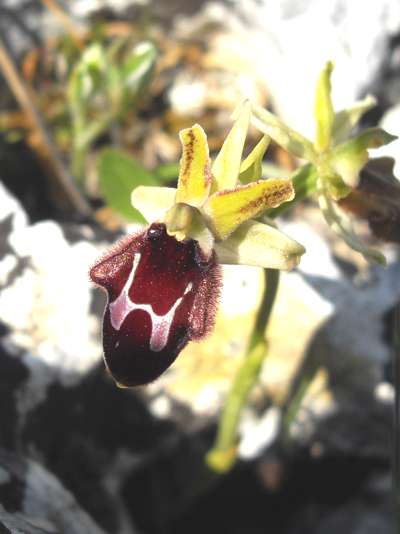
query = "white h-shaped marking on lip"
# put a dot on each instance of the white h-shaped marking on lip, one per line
(160, 324)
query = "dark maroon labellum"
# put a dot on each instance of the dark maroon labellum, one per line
(161, 294)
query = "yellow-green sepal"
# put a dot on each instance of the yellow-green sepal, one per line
(226, 210)
(286, 137)
(331, 180)
(226, 167)
(346, 119)
(153, 202)
(347, 159)
(323, 109)
(251, 167)
(194, 180)
(260, 245)
(336, 186)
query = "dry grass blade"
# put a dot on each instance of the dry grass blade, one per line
(25, 99)
(66, 21)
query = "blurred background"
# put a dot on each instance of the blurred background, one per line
(92, 97)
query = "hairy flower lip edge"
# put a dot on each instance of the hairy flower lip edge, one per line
(198, 323)
(170, 198)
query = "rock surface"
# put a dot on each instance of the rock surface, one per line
(98, 447)
(38, 501)
(79, 455)
(298, 38)
(58, 407)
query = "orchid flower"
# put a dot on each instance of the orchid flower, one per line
(163, 283)
(336, 156)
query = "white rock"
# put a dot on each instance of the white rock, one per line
(45, 503)
(287, 43)
(258, 434)
(46, 305)
(301, 36)
(11, 208)
(240, 289)
(7, 265)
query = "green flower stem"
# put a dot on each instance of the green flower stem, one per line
(223, 454)
(84, 136)
(92, 130)
(78, 157)
(264, 312)
(292, 407)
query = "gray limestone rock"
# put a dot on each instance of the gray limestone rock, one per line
(33, 497)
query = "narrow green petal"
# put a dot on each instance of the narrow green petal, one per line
(226, 167)
(260, 245)
(226, 210)
(251, 167)
(194, 177)
(323, 109)
(341, 225)
(284, 136)
(153, 202)
(336, 186)
(348, 158)
(346, 119)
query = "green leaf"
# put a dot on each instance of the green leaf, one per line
(86, 75)
(119, 174)
(137, 70)
(323, 109)
(167, 172)
(115, 89)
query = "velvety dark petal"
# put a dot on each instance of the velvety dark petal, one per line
(161, 294)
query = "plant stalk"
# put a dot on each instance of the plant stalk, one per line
(26, 101)
(223, 454)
